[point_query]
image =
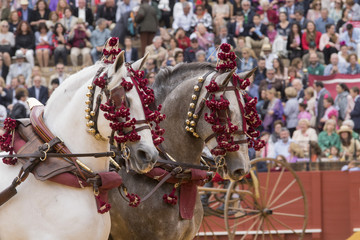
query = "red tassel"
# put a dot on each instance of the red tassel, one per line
(134, 199)
(171, 198)
(103, 207)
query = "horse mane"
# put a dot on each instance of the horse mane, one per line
(170, 77)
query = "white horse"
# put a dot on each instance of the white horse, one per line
(51, 211)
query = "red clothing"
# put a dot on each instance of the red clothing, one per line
(271, 14)
(184, 42)
(305, 44)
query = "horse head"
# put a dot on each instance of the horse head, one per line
(133, 135)
(223, 124)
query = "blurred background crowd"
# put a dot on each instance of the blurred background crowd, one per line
(43, 41)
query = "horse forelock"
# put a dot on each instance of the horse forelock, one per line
(170, 77)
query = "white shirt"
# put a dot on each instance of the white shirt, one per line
(182, 21)
(82, 14)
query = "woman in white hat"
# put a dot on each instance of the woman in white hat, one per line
(350, 147)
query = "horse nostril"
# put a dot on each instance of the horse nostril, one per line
(142, 155)
(238, 173)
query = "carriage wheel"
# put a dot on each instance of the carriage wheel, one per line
(267, 203)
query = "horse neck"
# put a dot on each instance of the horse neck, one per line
(65, 118)
(178, 143)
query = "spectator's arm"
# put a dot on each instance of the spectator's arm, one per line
(305, 44)
(11, 39)
(356, 111)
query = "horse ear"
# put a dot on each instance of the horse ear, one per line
(140, 63)
(228, 77)
(119, 61)
(247, 74)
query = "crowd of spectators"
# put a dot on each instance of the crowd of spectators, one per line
(285, 39)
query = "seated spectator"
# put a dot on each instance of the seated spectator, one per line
(295, 152)
(60, 43)
(82, 11)
(293, 44)
(304, 134)
(247, 12)
(43, 40)
(178, 8)
(283, 30)
(237, 10)
(303, 114)
(5, 11)
(256, 33)
(19, 67)
(281, 72)
(329, 42)
(236, 27)
(20, 108)
(343, 54)
(53, 19)
(354, 66)
(179, 57)
(183, 41)
(78, 36)
(354, 10)
(291, 109)
(221, 10)
(300, 19)
(298, 64)
(253, 89)
(335, 66)
(183, 19)
(60, 8)
(269, 15)
(315, 12)
(350, 124)
(248, 62)
(322, 93)
(156, 51)
(25, 13)
(151, 78)
(310, 35)
(274, 111)
(108, 12)
(351, 167)
(7, 42)
(297, 84)
(260, 73)
(329, 138)
(350, 147)
(211, 54)
(42, 13)
(98, 38)
(330, 111)
(282, 146)
(311, 104)
(39, 91)
(225, 37)
(25, 41)
(190, 52)
(271, 33)
(262, 103)
(53, 85)
(355, 113)
(200, 56)
(342, 99)
(267, 55)
(266, 150)
(315, 67)
(150, 66)
(315, 152)
(14, 21)
(60, 74)
(340, 25)
(131, 53)
(351, 38)
(14, 85)
(335, 12)
(271, 81)
(312, 49)
(201, 16)
(324, 20)
(205, 38)
(5, 95)
(68, 21)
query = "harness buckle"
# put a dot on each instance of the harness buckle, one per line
(45, 155)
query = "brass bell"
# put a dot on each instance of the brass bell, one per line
(187, 128)
(87, 116)
(196, 88)
(195, 134)
(192, 105)
(90, 124)
(187, 121)
(192, 123)
(89, 94)
(194, 97)
(189, 114)
(92, 113)
(91, 130)
(87, 109)
(192, 130)
(201, 79)
(90, 87)
(195, 116)
(87, 102)
(97, 136)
